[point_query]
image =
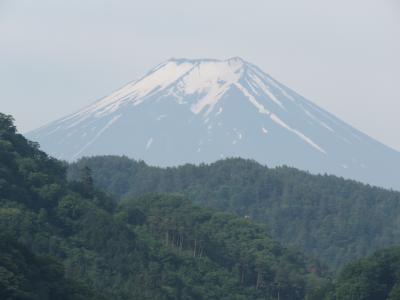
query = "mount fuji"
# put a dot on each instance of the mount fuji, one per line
(194, 111)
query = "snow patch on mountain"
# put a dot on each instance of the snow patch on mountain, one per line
(149, 142)
(298, 133)
(98, 134)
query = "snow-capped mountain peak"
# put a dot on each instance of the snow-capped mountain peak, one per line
(183, 77)
(199, 110)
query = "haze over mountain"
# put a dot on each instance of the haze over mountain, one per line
(193, 111)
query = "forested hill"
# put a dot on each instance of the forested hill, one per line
(152, 247)
(334, 219)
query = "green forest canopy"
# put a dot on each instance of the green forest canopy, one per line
(331, 218)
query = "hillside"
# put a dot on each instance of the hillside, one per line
(151, 247)
(328, 217)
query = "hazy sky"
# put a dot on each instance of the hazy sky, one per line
(58, 56)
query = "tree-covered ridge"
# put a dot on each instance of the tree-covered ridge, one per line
(331, 218)
(27, 174)
(154, 247)
(376, 277)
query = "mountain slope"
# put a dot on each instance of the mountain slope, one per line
(203, 110)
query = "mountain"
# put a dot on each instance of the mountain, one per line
(203, 110)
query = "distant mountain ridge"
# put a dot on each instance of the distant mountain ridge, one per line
(203, 110)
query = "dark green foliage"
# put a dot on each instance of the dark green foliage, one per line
(331, 218)
(27, 175)
(87, 181)
(239, 255)
(373, 278)
(25, 276)
(155, 247)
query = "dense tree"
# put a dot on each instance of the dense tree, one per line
(331, 218)
(376, 277)
(26, 276)
(87, 181)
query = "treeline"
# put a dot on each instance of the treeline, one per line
(331, 218)
(68, 240)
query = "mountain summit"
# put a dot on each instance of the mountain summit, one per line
(193, 111)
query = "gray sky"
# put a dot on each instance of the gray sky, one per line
(58, 56)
